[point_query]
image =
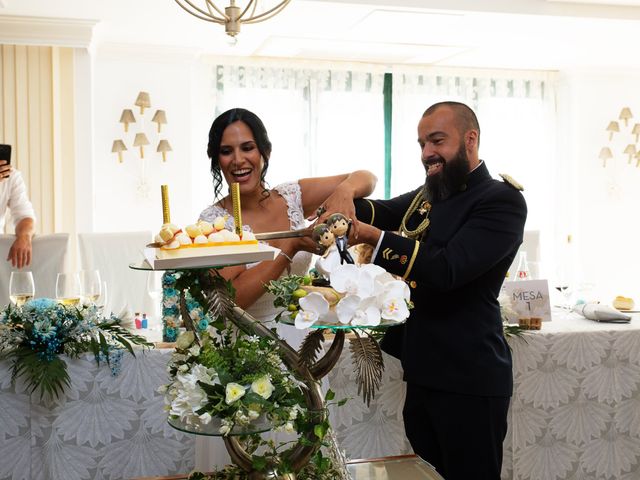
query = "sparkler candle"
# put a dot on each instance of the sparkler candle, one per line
(166, 216)
(237, 215)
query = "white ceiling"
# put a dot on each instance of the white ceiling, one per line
(530, 34)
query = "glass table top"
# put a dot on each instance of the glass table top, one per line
(212, 429)
(383, 325)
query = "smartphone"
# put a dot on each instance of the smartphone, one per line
(5, 153)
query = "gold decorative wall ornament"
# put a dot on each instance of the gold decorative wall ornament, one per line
(625, 115)
(631, 151)
(160, 117)
(118, 147)
(126, 118)
(140, 141)
(163, 148)
(612, 128)
(143, 101)
(605, 154)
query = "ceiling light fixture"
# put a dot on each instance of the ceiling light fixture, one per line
(233, 15)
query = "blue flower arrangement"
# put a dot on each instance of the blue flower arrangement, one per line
(171, 307)
(35, 336)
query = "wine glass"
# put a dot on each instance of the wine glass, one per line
(21, 287)
(91, 286)
(68, 289)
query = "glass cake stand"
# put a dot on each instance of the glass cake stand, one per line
(308, 371)
(212, 429)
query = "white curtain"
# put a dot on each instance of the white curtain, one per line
(516, 112)
(320, 121)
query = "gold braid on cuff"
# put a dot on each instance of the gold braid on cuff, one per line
(413, 259)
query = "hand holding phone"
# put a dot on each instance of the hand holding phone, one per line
(5, 161)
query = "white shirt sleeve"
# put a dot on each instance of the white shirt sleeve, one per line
(18, 200)
(375, 250)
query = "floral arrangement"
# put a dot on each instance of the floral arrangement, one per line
(171, 309)
(359, 295)
(34, 336)
(237, 378)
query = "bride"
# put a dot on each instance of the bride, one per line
(240, 151)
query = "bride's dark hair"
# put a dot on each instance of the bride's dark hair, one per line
(260, 135)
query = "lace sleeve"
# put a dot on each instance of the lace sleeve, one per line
(210, 213)
(292, 194)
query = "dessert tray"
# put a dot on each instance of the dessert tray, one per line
(210, 256)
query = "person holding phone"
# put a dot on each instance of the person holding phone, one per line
(13, 197)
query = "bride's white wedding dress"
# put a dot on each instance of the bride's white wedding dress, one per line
(263, 309)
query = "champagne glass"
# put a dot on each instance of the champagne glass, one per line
(91, 286)
(21, 287)
(68, 288)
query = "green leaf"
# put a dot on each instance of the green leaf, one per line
(330, 395)
(320, 430)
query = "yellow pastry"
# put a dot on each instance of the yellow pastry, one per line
(623, 303)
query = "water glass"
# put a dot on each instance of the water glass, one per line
(91, 286)
(21, 287)
(68, 289)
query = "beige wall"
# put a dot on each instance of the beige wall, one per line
(37, 119)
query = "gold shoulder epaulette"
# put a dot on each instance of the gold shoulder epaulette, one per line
(509, 179)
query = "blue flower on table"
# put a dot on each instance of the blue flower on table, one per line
(39, 304)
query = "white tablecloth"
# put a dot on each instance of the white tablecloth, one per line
(575, 411)
(104, 428)
(575, 414)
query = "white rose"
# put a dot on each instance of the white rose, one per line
(185, 339)
(262, 387)
(234, 391)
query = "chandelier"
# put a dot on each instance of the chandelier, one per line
(233, 15)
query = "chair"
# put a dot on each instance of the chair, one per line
(111, 254)
(48, 259)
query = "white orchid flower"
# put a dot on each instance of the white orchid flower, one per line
(234, 391)
(312, 307)
(358, 311)
(393, 303)
(355, 280)
(262, 387)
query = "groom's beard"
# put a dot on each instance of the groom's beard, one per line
(450, 179)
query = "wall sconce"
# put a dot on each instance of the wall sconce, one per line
(144, 132)
(624, 135)
(631, 151)
(118, 147)
(160, 117)
(127, 118)
(140, 141)
(164, 147)
(143, 101)
(605, 154)
(625, 115)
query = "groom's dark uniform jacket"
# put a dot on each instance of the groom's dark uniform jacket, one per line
(453, 339)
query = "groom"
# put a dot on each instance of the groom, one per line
(459, 233)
